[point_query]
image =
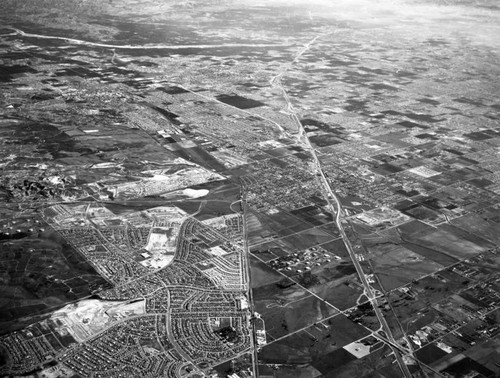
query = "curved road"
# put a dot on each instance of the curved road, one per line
(301, 136)
(136, 47)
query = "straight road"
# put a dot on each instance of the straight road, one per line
(336, 208)
(247, 271)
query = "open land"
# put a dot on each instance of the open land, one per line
(249, 189)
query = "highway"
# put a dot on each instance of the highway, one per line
(301, 136)
(336, 208)
(247, 271)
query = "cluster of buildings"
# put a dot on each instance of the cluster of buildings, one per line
(175, 331)
(303, 261)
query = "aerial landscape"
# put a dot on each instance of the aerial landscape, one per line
(265, 188)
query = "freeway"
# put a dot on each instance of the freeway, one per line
(247, 271)
(336, 208)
